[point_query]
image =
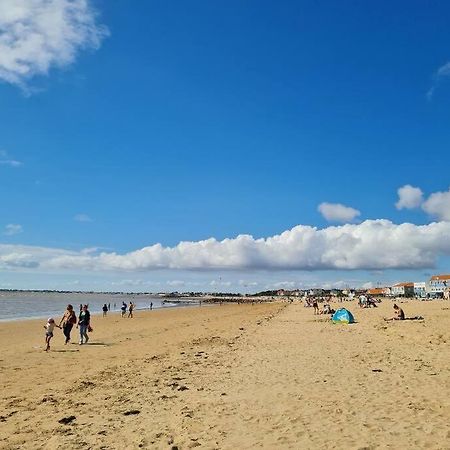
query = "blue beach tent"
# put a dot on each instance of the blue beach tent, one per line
(343, 316)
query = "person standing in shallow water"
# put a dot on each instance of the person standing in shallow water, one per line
(68, 320)
(84, 320)
(105, 309)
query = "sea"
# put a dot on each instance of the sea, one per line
(19, 305)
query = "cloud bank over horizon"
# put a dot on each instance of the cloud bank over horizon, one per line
(370, 245)
(38, 35)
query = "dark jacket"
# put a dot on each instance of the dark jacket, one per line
(84, 319)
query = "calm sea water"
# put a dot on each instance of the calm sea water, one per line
(29, 305)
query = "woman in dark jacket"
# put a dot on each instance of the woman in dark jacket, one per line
(84, 320)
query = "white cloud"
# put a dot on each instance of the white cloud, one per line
(176, 283)
(5, 160)
(246, 283)
(335, 212)
(441, 73)
(82, 218)
(409, 197)
(372, 244)
(134, 283)
(284, 285)
(438, 205)
(38, 35)
(216, 283)
(12, 229)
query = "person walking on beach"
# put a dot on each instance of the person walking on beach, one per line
(69, 319)
(315, 306)
(123, 308)
(105, 309)
(151, 306)
(49, 327)
(84, 321)
(130, 310)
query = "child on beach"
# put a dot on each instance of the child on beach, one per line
(49, 326)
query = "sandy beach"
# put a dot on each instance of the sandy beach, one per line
(270, 376)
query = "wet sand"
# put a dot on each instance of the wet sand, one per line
(270, 376)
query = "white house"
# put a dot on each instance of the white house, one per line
(420, 289)
(438, 284)
(403, 290)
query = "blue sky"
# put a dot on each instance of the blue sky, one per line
(156, 123)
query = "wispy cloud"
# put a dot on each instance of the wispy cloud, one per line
(6, 160)
(176, 283)
(12, 229)
(442, 73)
(82, 218)
(335, 212)
(38, 35)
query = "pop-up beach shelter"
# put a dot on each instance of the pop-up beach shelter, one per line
(343, 316)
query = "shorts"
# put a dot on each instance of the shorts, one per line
(49, 333)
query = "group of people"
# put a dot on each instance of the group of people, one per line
(68, 320)
(130, 307)
(363, 302)
(314, 303)
(366, 302)
(82, 322)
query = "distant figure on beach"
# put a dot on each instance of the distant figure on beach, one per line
(362, 301)
(69, 319)
(84, 322)
(105, 309)
(151, 306)
(130, 310)
(123, 308)
(315, 306)
(81, 307)
(109, 306)
(398, 313)
(327, 309)
(49, 327)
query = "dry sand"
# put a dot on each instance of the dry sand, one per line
(270, 376)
